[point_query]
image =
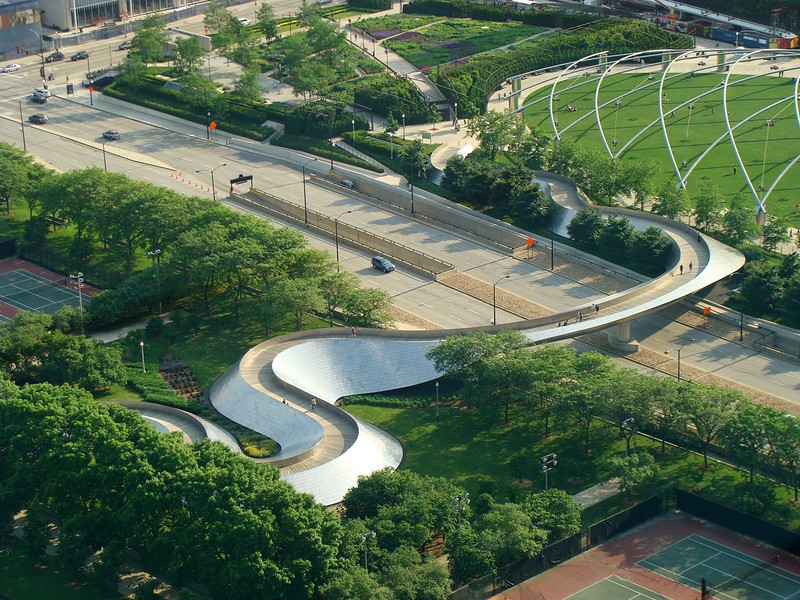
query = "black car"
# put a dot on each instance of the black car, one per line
(55, 57)
(38, 119)
(37, 99)
(82, 55)
(382, 264)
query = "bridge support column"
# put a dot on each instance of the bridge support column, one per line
(620, 338)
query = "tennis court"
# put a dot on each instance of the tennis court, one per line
(27, 291)
(616, 588)
(728, 573)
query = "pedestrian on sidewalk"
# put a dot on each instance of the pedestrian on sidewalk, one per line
(681, 269)
(313, 404)
(690, 266)
(596, 309)
(353, 332)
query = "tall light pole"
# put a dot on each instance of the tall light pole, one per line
(305, 198)
(156, 254)
(22, 128)
(141, 345)
(548, 463)
(336, 234)
(412, 198)
(455, 106)
(213, 184)
(105, 164)
(437, 399)
(494, 298)
(41, 53)
(353, 122)
(678, 351)
(460, 504)
(364, 539)
(79, 279)
(332, 145)
(404, 126)
(552, 243)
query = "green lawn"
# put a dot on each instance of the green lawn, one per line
(23, 577)
(468, 451)
(439, 40)
(634, 125)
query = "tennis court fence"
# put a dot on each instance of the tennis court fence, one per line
(92, 275)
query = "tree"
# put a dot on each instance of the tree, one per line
(298, 296)
(494, 130)
(555, 512)
(762, 287)
(775, 232)
(552, 367)
(150, 39)
(746, 435)
(634, 471)
(667, 402)
(265, 16)
(738, 222)
(507, 532)
(531, 148)
(218, 18)
(671, 202)
(636, 177)
(651, 247)
(784, 440)
(248, 86)
(414, 160)
(335, 287)
(392, 126)
(189, 53)
(198, 91)
(586, 227)
(466, 557)
(459, 352)
(369, 307)
(133, 71)
(616, 236)
(709, 410)
(708, 207)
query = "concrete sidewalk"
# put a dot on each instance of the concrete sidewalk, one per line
(597, 493)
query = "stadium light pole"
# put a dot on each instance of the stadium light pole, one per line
(156, 254)
(79, 279)
(678, 351)
(364, 539)
(437, 399)
(336, 234)
(404, 126)
(460, 504)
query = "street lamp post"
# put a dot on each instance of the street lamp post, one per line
(678, 351)
(208, 125)
(404, 126)
(494, 298)
(336, 234)
(79, 279)
(332, 145)
(22, 128)
(412, 198)
(157, 255)
(437, 399)
(387, 58)
(213, 183)
(141, 346)
(305, 198)
(548, 463)
(105, 164)
(364, 539)
(455, 106)
(353, 122)
(41, 53)
(460, 504)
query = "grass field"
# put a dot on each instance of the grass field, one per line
(430, 41)
(695, 135)
(468, 451)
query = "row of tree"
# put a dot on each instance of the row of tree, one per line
(203, 249)
(198, 513)
(771, 289)
(499, 373)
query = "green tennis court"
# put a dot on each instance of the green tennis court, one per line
(616, 588)
(728, 573)
(27, 291)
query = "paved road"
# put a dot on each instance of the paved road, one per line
(72, 140)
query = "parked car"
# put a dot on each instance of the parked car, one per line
(82, 55)
(244, 21)
(38, 119)
(37, 99)
(43, 92)
(126, 45)
(10, 68)
(382, 264)
(111, 134)
(55, 57)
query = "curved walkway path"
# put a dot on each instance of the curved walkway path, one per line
(324, 451)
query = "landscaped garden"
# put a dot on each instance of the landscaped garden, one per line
(426, 41)
(633, 130)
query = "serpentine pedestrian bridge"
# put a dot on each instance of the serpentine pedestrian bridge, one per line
(323, 451)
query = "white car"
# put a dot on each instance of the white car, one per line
(244, 21)
(42, 92)
(10, 68)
